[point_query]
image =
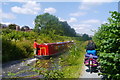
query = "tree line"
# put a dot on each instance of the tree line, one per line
(50, 24)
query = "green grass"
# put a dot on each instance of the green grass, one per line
(73, 63)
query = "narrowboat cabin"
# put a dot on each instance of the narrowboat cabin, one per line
(47, 50)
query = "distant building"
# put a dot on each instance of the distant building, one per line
(25, 28)
(17, 28)
(3, 26)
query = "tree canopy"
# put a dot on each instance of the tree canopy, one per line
(47, 23)
(12, 26)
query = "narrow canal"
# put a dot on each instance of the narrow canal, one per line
(31, 67)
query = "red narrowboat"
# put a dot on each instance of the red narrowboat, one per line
(48, 50)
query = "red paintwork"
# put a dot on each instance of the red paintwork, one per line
(52, 48)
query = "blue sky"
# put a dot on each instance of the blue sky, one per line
(82, 16)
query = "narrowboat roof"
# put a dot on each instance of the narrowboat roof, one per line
(54, 43)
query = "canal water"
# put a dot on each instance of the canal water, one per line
(31, 67)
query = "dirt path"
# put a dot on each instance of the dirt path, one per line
(86, 74)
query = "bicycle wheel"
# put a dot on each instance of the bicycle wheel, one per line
(90, 66)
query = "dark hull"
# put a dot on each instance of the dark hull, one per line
(49, 56)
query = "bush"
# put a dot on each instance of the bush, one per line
(15, 50)
(108, 39)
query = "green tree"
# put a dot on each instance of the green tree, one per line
(12, 26)
(47, 24)
(67, 30)
(86, 37)
(108, 39)
(0, 25)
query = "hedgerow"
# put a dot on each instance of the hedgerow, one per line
(108, 41)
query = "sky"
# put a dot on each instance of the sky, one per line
(84, 16)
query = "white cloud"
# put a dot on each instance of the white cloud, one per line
(31, 7)
(88, 5)
(92, 21)
(99, 0)
(61, 19)
(88, 26)
(104, 22)
(5, 3)
(6, 15)
(83, 28)
(18, 0)
(61, 0)
(7, 23)
(66, 0)
(33, 22)
(96, 11)
(72, 19)
(50, 10)
(77, 14)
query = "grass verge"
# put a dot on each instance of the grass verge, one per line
(72, 64)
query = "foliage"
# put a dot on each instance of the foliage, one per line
(18, 35)
(0, 24)
(67, 30)
(67, 65)
(108, 39)
(12, 26)
(15, 51)
(53, 73)
(19, 44)
(86, 37)
(8, 49)
(72, 63)
(47, 23)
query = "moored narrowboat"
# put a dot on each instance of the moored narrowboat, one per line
(47, 50)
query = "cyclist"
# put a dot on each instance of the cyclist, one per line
(90, 49)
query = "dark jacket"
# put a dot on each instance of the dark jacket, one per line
(91, 46)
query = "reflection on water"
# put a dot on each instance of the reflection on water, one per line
(48, 64)
(31, 68)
